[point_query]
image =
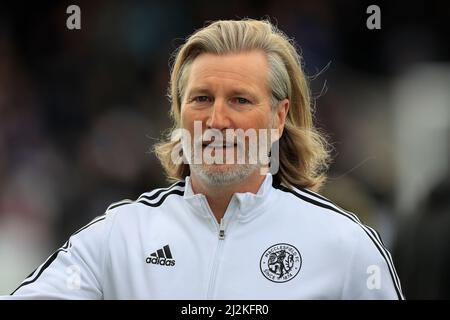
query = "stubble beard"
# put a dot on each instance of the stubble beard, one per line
(227, 174)
(230, 175)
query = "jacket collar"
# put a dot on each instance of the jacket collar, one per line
(247, 205)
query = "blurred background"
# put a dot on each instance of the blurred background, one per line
(81, 109)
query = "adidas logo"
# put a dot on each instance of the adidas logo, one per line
(162, 257)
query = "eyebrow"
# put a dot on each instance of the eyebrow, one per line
(241, 92)
(233, 92)
(198, 90)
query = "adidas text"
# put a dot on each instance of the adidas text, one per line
(160, 261)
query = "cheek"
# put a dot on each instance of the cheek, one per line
(189, 116)
(257, 120)
(187, 120)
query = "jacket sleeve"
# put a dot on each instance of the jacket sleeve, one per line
(74, 271)
(371, 273)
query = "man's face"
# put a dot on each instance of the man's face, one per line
(227, 92)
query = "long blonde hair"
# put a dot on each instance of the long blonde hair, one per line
(303, 151)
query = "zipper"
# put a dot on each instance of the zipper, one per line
(220, 242)
(221, 230)
(218, 253)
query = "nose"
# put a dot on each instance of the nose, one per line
(219, 117)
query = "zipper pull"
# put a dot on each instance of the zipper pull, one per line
(221, 230)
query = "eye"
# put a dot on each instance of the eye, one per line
(201, 99)
(240, 100)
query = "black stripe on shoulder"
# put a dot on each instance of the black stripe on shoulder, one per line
(157, 193)
(44, 266)
(160, 202)
(101, 218)
(52, 258)
(307, 199)
(372, 234)
(149, 199)
(277, 185)
(116, 205)
(315, 194)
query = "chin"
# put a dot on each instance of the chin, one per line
(223, 174)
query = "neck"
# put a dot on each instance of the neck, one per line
(219, 196)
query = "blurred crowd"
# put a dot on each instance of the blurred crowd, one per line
(81, 109)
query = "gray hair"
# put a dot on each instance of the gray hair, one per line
(304, 156)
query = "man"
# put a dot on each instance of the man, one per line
(233, 225)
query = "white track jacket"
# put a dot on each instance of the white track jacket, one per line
(280, 243)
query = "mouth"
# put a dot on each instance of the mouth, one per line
(218, 145)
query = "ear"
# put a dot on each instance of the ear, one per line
(281, 114)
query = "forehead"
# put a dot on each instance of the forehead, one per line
(246, 70)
